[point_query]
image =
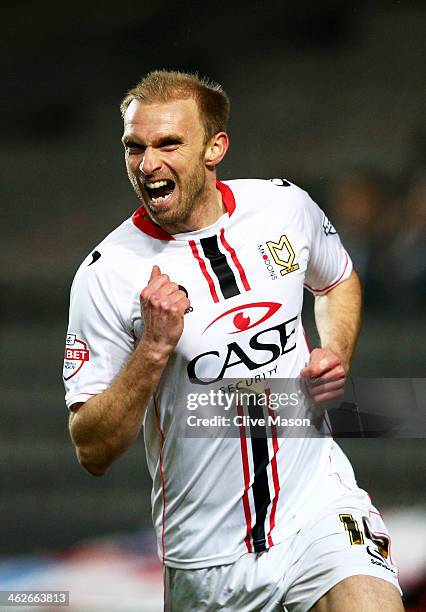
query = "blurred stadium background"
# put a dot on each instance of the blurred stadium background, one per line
(330, 95)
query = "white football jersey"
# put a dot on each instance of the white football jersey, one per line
(214, 498)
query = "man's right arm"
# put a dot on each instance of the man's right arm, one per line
(106, 425)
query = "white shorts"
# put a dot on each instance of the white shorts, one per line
(345, 539)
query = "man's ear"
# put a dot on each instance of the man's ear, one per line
(216, 149)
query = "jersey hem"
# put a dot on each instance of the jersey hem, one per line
(206, 562)
(222, 559)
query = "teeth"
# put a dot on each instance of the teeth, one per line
(156, 185)
(161, 198)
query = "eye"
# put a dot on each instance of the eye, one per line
(133, 148)
(247, 316)
(169, 145)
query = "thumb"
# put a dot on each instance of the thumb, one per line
(155, 272)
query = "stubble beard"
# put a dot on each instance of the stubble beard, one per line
(190, 194)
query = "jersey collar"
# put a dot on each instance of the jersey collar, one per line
(144, 223)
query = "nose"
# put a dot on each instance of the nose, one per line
(150, 161)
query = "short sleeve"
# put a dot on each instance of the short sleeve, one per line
(97, 342)
(329, 264)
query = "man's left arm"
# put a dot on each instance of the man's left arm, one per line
(338, 320)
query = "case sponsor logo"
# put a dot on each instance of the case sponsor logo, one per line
(76, 355)
(244, 316)
(254, 351)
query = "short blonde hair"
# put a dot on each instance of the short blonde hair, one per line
(168, 85)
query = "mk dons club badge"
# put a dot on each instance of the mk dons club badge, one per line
(76, 355)
(283, 254)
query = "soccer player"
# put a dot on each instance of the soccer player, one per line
(203, 284)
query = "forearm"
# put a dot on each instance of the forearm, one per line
(107, 424)
(338, 318)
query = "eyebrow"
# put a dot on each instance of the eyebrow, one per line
(160, 142)
(171, 138)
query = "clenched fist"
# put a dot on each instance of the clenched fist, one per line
(325, 375)
(163, 306)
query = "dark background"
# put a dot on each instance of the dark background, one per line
(327, 94)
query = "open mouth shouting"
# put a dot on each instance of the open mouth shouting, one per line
(160, 191)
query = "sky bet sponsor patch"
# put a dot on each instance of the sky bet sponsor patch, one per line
(76, 355)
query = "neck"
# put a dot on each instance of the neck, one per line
(208, 210)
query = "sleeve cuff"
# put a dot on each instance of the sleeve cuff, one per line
(347, 269)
